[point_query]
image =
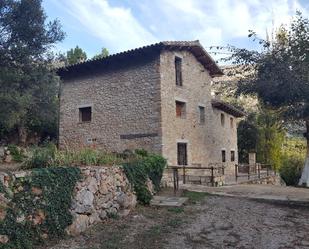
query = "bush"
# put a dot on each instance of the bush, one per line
(42, 157)
(291, 169)
(149, 166)
(54, 202)
(17, 153)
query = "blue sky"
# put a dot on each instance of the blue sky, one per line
(120, 25)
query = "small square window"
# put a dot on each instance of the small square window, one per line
(232, 156)
(232, 123)
(223, 154)
(180, 109)
(85, 114)
(222, 119)
(202, 114)
(178, 71)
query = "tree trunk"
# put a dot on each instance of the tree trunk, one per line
(22, 135)
(304, 180)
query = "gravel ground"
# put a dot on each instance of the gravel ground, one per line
(214, 222)
(239, 223)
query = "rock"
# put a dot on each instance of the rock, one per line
(124, 212)
(94, 218)
(4, 239)
(1, 151)
(93, 185)
(103, 188)
(2, 213)
(83, 209)
(44, 236)
(20, 219)
(39, 217)
(102, 214)
(85, 197)
(8, 158)
(80, 224)
(36, 191)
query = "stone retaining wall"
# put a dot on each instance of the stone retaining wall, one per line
(270, 180)
(104, 192)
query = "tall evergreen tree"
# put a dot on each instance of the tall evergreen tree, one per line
(28, 84)
(76, 55)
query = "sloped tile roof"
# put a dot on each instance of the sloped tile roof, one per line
(192, 46)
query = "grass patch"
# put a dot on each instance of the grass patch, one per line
(194, 197)
(176, 210)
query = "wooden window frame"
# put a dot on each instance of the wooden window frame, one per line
(180, 107)
(85, 114)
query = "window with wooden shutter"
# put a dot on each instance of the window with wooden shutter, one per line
(85, 114)
(180, 109)
(223, 154)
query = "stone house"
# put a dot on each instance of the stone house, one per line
(156, 97)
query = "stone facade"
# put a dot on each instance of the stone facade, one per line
(133, 106)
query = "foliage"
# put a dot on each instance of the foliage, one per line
(138, 172)
(76, 55)
(16, 152)
(56, 186)
(28, 94)
(247, 138)
(41, 157)
(291, 169)
(48, 155)
(104, 53)
(270, 138)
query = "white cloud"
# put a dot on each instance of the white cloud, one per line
(144, 22)
(115, 26)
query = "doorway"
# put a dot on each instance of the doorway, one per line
(182, 155)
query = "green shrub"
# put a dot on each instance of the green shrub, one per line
(291, 169)
(17, 153)
(54, 202)
(42, 157)
(138, 171)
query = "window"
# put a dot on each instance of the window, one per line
(180, 109)
(232, 156)
(182, 154)
(223, 156)
(178, 71)
(222, 119)
(232, 123)
(85, 114)
(202, 114)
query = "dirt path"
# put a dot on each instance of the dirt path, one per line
(211, 222)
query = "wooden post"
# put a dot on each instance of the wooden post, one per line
(267, 170)
(236, 172)
(174, 180)
(212, 177)
(249, 172)
(183, 175)
(259, 171)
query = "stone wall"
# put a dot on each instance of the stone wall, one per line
(270, 180)
(104, 192)
(125, 102)
(204, 141)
